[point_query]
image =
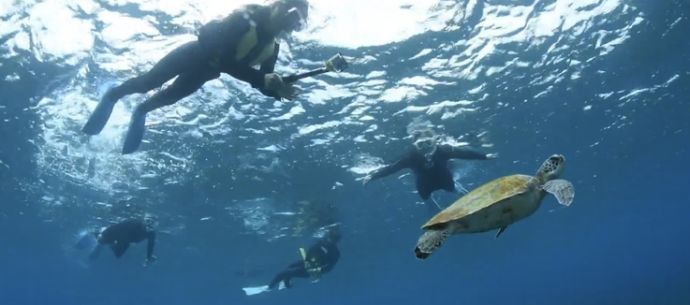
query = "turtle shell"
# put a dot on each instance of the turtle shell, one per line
(481, 198)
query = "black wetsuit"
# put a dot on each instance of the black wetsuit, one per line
(320, 258)
(434, 177)
(120, 235)
(197, 62)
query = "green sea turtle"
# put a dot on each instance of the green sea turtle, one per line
(496, 204)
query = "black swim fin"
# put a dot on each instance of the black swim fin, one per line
(135, 133)
(100, 115)
(119, 248)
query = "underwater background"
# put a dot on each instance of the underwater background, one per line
(238, 182)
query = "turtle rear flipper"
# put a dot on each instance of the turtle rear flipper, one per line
(562, 189)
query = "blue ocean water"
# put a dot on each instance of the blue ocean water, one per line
(606, 83)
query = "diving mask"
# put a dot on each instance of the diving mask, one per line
(427, 147)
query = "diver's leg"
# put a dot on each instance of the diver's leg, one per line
(168, 67)
(431, 202)
(424, 189)
(96, 252)
(184, 85)
(283, 276)
(179, 60)
(432, 205)
(298, 270)
(294, 270)
(458, 188)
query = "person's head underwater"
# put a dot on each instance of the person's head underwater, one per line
(333, 235)
(150, 222)
(426, 142)
(288, 16)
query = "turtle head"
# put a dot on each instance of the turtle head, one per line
(431, 240)
(552, 167)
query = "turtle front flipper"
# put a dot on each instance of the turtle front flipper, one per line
(430, 241)
(562, 189)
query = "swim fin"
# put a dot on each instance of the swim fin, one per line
(262, 289)
(135, 133)
(256, 290)
(100, 115)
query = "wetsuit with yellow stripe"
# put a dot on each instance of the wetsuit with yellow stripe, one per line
(320, 258)
(240, 42)
(233, 45)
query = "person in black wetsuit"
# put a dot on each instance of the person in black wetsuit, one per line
(118, 236)
(428, 160)
(320, 258)
(234, 45)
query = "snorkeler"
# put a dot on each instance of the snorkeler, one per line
(118, 236)
(428, 160)
(319, 259)
(234, 45)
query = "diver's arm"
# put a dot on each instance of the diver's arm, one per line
(316, 250)
(459, 153)
(247, 74)
(267, 67)
(391, 169)
(151, 243)
(331, 258)
(269, 64)
(256, 78)
(252, 76)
